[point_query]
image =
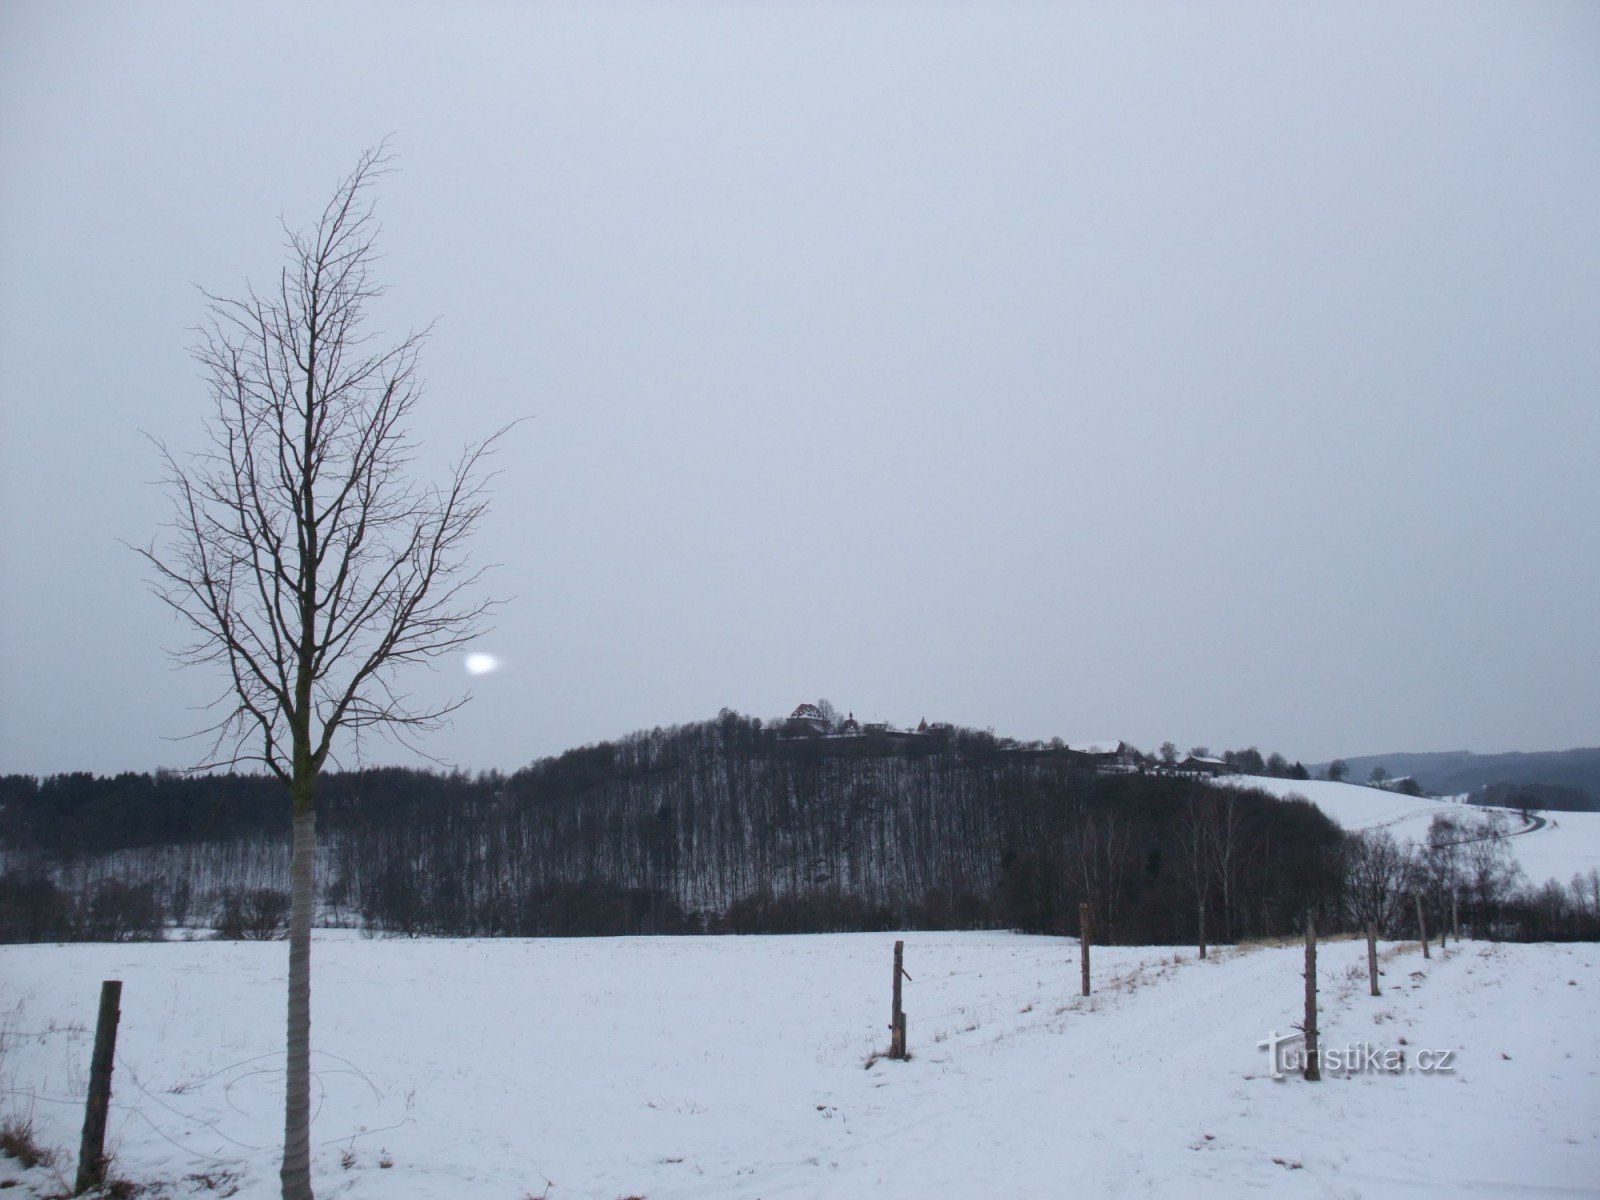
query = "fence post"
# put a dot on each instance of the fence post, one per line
(1313, 1068)
(1372, 957)
(1083, 942)
(92, 1150)
(897, 1016)
(1455, 918)
(1202, 926)
(1422, 927)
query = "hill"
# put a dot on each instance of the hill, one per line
(1553, 847)
(732, 826)
(1562, 780)
(719, 825)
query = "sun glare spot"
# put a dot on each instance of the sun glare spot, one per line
(479, 663)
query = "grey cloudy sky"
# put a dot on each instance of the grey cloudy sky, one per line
(1227, 373)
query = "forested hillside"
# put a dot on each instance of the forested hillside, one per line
(721, 825)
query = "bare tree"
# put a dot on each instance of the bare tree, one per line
(1491, 873)
(1190, 826)
(1223, 832)
(1378, 874)
(1443, 856)
(1104, 844)
(307, 562)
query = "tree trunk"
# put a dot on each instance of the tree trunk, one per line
(296, 1172)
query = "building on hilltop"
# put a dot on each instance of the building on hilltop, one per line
(806, 721)
(1199, 764)
(809, 721)
(1111, 754)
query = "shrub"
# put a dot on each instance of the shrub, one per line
(121, 912)
(256, 915)
(32, 909)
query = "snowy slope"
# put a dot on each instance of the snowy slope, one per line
(734, 1068)
(1568, 843)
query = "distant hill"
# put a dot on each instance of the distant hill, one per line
(742, 826)
(1565, 780)
(727, 824)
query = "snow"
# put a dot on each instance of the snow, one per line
(1567, 844)
(728, 1067)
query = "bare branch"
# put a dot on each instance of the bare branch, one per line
(305, 561)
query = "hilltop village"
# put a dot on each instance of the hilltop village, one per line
(816, 725)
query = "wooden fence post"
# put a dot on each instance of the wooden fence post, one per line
(1202, 926)
(1372, 957)
(1455, 918)
(1422, 927)
(1083, 943)
(92, 1150)
(897, 1016)
(1313, 1068)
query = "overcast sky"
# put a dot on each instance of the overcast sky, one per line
(1227, 373)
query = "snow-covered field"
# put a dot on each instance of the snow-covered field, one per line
(736, 1067)
(1567, 844)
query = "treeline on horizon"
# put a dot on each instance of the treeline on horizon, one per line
(718, 826)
